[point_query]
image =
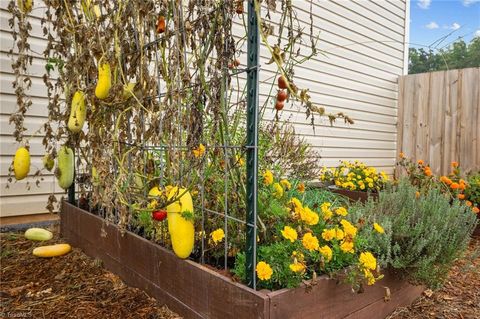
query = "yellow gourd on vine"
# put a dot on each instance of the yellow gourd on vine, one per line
(65, 167)
(180, 222)
(104, 82)
(78, 112)
(21, 163)
(25, 5)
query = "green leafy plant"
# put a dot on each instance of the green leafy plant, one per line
(472, 192)
(423, 234)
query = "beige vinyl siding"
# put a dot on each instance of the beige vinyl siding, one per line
(364, 45)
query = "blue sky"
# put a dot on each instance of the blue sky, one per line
(431, 20)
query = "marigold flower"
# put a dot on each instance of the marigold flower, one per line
(428, 171)
(468, 203)
(217, 235)
(297, 267)
(289, 233)
(461, 196)
(342, 211)
(348, 228)
(378, 228)
(368, 261)
(286, 184)
(268, 177)
(310, 242)
(417, 194)
(326, 252)
(326, 212)
(401, 155)
(264, 271)
(295, 202)
(339, 234)
(277, 190)
(240, 160)
(347, 246)
(420, 162)
(369, 277)
(454, 164)
(475, 210)
(308, 216)
(329, 234)
(455, 186)
(301, 187)
(199, 151)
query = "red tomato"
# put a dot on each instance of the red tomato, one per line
(159, 215)
(282, 82)
(161, 24)
(279, 105)
(282, 95)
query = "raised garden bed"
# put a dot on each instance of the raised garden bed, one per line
(195, 291)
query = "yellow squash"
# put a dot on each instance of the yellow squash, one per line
(78, 112)
(65, 167)
(21, 163)
(181, 230)
(25, 5)
(104, 81)
(52, 250)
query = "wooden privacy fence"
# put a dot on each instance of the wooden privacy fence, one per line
(439, 118)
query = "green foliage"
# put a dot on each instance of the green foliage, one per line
(472, 192)
(459, 55)
(423, 236)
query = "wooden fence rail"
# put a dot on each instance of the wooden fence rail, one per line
(439, 118)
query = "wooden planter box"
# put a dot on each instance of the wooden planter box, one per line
(353, 195)
(195, 291)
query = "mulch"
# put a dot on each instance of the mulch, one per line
(77, 286)
(70, 286)
(459, 297)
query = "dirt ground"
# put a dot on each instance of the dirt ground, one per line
(76, 286)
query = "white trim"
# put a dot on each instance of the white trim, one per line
(406, 37)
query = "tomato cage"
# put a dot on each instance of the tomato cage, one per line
(187, 129)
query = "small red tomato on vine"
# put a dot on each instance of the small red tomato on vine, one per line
(159, 215)
(161, 24)
(282, 95)
(282, 82)
(279, 105)
(239, 8)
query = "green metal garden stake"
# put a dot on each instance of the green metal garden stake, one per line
(252, 142)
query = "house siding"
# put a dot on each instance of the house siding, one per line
(364, 42)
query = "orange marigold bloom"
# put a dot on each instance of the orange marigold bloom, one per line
(469, 203)
(475, 210)
(445, 180)
(454, 164)
(401, 155)
(420, 162)
(427, 171)
(455, 186)
(417, 194)
(461, 196)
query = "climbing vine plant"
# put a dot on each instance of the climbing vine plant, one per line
(145, 93)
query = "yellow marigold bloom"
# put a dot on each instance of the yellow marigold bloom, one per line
(301, 187)
(297, 267)
(368, 261)
(286, 184)
(370, 185)
(289, 233)
(348, 228)
(217, 235)
(362, 186)
(339, 234)
(327, 213)
(326, 252)
(277, 190)
(329, 234)
(369, 277)
(268, 177)
(295, 202)
(308, 216)
(297, 255)
(264, 271)
(310, 242)
(342, 211)
(240, 160)
(384, 175)
(347, 246)
(378, 228)
(199, 151)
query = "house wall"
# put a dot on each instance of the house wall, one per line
(363, 42)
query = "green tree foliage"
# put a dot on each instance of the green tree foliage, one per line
(457, 56)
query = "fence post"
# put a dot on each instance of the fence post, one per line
(252, 141)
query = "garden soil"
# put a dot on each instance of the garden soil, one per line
(76, 286)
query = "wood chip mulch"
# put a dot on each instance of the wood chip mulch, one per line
(71, 286)
(459, 297)
(76, 286)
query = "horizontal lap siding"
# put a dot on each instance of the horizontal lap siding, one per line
(364, 45)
